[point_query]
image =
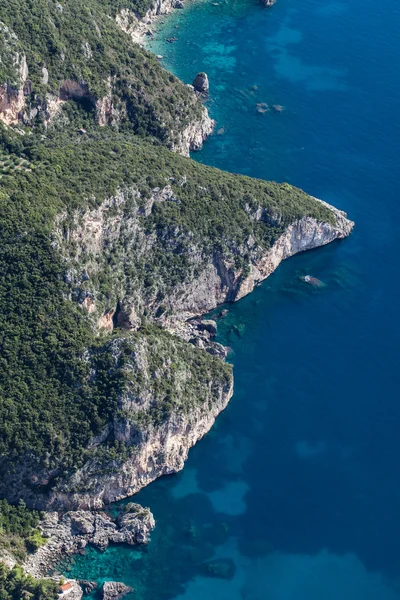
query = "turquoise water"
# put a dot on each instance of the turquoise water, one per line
(297, 486)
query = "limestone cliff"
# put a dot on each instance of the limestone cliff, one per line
(91, 62)
(211, 277)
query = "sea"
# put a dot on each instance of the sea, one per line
(295, 493)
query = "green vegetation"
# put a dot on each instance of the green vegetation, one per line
(18, 529)
(61, 382)
(84, 51)
(10, 162)
(50, 403)
(15, 585)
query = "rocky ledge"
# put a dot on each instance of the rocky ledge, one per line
(70, 533)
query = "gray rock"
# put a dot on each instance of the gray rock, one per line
(81, 522)
(201, 83)
(179, 4)
(113, 590)
(136, 524)
(208, 325)
(87, 586)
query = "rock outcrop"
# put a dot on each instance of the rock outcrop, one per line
(217, 279)
(194, 135)
(12, 98)
(114, 590)
(201, 83)
(160, 450)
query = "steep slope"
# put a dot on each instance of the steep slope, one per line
(57, 52)
(106, 232)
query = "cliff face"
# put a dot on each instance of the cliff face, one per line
(305, 234)
(12, 97)
(167, 396)
(119, 227)
(85, 58)
(158, 450)
(161, 447)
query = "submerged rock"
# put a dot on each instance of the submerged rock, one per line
(262, 107)
(268, 2)
(313, 281)
(201, 83)
(224, 568)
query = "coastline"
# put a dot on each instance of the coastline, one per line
(139, 29)
(303, 235)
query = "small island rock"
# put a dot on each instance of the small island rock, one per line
(201, 83)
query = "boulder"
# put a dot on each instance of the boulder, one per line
(201, 83)
(208, 325)
(113, 590)
(81, 522)
(135, 523)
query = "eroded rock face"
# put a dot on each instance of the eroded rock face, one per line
(12, 99)
(194, 135)
(160, 450)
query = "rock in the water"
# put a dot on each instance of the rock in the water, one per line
(113, 590)
(224, 568)
(201, 83)
(313, 281)
(87, 586)
(208, 325)
(216, 349)
(268, 2)
(278, 108)
(262, 107)
(136, 523)
(179, 4)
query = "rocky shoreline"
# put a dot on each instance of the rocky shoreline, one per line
(69, 533)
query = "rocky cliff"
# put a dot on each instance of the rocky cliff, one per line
(122, 226)
(64, 67)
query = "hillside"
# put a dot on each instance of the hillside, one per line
(111, 245)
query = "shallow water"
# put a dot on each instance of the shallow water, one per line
(298, 482)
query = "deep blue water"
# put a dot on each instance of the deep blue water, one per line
(298, 483)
